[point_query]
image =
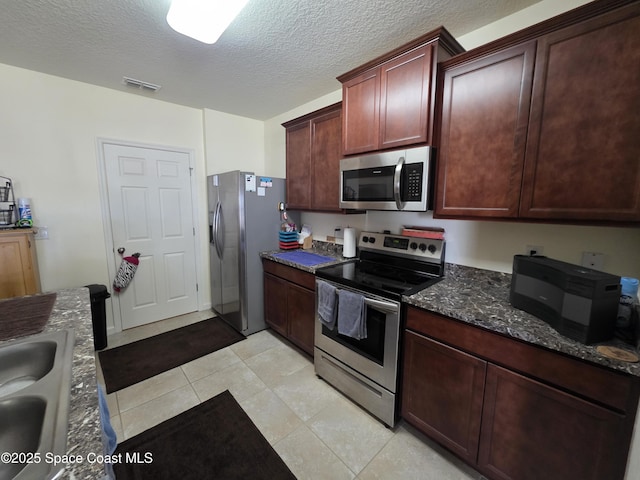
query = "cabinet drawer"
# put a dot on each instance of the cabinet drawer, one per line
(304, 279)
(615, 390)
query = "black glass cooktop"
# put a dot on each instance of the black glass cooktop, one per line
(382, 279)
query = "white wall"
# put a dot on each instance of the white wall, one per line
(49, 128)
(233, 143)
(274, 146)
(524, 18)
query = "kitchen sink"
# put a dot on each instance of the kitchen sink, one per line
(35, 385)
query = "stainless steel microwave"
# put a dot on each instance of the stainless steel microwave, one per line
(395, 180)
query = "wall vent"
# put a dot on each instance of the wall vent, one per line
(132, 82)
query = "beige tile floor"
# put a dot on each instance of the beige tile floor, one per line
(318, 432)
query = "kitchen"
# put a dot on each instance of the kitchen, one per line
(66, 117)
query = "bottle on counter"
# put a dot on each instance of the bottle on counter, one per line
(24, 212)
(627, 327)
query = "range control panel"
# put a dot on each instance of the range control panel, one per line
(420, 248)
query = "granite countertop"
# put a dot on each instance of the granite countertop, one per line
(326, 249)
(72, 309)
(481, 298)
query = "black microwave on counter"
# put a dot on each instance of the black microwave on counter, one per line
(578, 302)
(394, 180)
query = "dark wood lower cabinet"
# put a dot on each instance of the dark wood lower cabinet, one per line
(514, 410)
(289, 303)
(275, 303)
(533, 431)
(302, 305)
(451, 410)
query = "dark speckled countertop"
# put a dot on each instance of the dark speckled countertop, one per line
(72, 310)
(481, 298)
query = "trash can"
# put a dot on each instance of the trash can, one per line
(99, 294)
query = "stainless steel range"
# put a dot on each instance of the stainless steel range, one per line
(357, 350)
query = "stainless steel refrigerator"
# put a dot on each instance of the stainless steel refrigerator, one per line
(244, 219)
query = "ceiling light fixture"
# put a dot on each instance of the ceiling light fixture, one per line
(203, 20)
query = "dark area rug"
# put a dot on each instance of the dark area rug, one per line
(27, 315)
(215, 439)
(129, 364)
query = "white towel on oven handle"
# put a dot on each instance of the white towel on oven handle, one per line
(327, 303)
(352, 315)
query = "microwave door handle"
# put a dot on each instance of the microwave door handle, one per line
(382, 306)
(396, 183)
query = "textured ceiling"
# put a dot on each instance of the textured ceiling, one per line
(276, 55)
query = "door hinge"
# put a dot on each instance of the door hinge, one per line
(197, 290)
(194, 231)
(190, 171)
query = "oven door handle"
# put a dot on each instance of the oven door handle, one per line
(382, 306)
(397, 175)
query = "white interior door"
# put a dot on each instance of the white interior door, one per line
(149, 195)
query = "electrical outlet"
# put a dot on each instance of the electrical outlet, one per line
(42, 233)
(534, 250)
(593, 260)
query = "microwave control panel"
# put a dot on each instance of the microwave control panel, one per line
(411, 186)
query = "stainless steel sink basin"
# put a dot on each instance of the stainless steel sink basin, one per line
(35, 383)
(21, 421)
(23, 364)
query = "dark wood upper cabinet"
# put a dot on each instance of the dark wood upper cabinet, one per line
(583, 148)
(390, 101)
(484, 123)
(298, 165)
(313, 160)
(543, 124)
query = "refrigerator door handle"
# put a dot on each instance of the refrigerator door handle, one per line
(219, 230)
(211, 223)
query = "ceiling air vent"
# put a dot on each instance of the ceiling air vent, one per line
(132, 82)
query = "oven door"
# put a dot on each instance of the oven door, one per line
(375, 357)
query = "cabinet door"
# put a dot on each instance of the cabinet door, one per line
(301, 313)
(18, 267)
(275, 303)
(298, 166)
(532, 431)
(485, 110)
(361, 113)
(583, 148)
(442, 393)
(406, 98)
(326, 153)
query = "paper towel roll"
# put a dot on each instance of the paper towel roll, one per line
(349, 248)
